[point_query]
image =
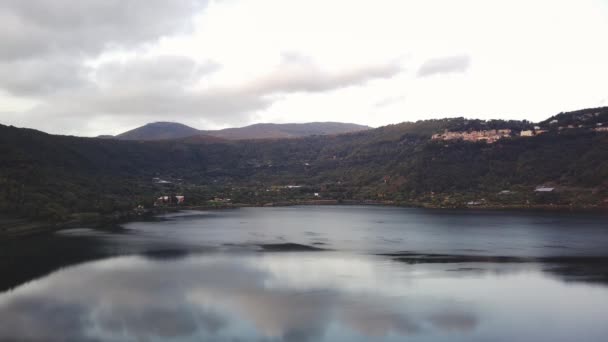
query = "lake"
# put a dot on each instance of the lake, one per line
(326, 273)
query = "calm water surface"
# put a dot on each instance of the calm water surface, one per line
(313, 274)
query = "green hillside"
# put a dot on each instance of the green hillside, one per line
(52, 177)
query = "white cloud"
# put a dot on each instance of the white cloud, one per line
(444, 65)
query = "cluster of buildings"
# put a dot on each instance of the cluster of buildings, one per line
(489, 136)
(492, 135)
(169, 200)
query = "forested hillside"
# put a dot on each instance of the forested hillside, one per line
(53, 177)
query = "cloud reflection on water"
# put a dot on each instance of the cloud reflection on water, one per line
(214, 297)
(199, 278)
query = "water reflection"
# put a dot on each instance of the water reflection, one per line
(312, 274)
(386, 229)
(303, 296)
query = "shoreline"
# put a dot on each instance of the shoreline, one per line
(17, 228)
(497, 207)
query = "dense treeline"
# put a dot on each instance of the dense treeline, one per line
(53, 177)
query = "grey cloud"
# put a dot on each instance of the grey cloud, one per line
(444, 65)
(129, 109)
(218, 104)
(304, 77)
(32, 77)
(45, 43)
(391, 100)
(161, 70)
(152, 89)
(36, 28)
(143, 90)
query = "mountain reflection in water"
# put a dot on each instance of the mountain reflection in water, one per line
(144, 288)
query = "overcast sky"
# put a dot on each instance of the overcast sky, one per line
(105, 66)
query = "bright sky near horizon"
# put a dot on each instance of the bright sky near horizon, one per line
(106, 66)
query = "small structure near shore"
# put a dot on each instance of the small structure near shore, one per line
(527, 133)
(169, 200)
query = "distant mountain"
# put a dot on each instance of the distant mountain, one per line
(172, 130)
(275, 131)
(159, 131)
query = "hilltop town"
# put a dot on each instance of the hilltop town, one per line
(597, 122)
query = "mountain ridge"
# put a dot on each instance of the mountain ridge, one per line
(164, 130)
